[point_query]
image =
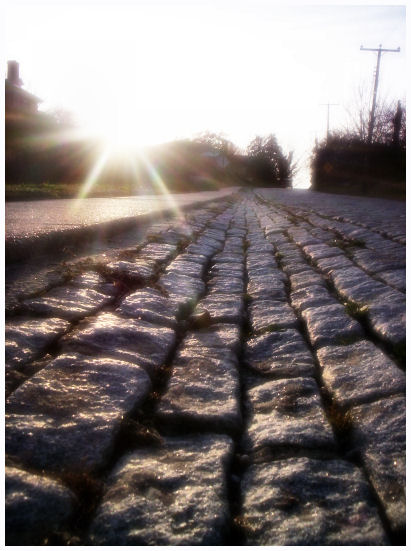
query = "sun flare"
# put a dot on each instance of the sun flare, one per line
(127, 126)
(118, 135)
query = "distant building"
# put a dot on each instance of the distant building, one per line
(18, 101)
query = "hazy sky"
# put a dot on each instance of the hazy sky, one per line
(150, 71)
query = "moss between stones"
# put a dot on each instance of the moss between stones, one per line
(355, 310)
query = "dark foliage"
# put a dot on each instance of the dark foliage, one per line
(47, 150)
(39, 149)
(347, 163)
(267, 163)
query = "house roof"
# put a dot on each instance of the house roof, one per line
(21, 92)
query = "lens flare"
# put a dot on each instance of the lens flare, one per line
(159, 185)
(94, 174)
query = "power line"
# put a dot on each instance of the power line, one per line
(374, 98)
(328, 117)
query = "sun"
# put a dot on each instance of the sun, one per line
(122, 128)
(129, 125)
(119, 135)
(124, 135)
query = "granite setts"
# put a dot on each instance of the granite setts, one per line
(302, 501)
(237, 378)
(379, 435)
(66, 416)
(358, 373)
(37, 507)
(287, 412)
(175, 495)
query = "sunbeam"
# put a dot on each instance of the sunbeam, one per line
(93, 176)
(159, 185)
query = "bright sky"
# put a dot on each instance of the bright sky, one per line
(151, 71)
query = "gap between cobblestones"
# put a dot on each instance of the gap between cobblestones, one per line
(236, 534)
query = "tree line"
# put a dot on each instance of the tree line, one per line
(347, 161)
(47, 147)
(263, 163)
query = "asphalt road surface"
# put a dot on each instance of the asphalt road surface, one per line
(27, 219)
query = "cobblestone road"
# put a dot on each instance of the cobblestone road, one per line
(236, 378)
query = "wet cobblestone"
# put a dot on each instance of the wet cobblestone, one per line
(235, 377)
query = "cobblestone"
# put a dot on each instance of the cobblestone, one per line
(279, 354)
(219, 307)
(394, 278)
(311, 297)
(287, 412)
(356, 286)
(65, 418)
(26, 338)
(149, 305)
(306, 279)
(159, 252)
(135, 341)
(93, 280)
(69, 303)
(234, 269)
(219, 336)
(235, 376)
(379, 433)
(182, 289)
(226, 284)
(175, 495)
(266, 287)
(329, 324)
(185, 267)
(386, 316)
(202, 392)
(375, 261)
(36, 507)
(271, 315)
(359, 372)
(309, 502)
(330, 263)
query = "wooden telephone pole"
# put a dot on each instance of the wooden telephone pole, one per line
(328, 117)
(374, 98)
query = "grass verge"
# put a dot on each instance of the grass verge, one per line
(46, 190)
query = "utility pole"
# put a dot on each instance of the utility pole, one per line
(374, 98)
(328, 117)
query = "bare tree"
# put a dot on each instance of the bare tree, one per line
(359, 114)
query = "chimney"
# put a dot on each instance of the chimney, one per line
(13, 73)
